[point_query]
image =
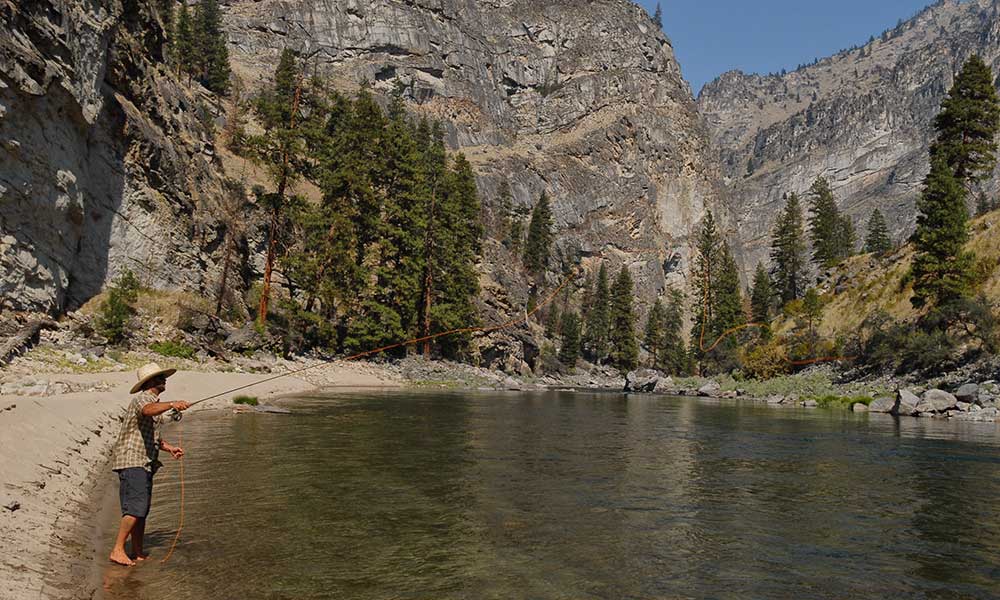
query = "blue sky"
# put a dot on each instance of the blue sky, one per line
(711, 37)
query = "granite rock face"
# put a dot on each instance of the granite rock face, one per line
(584, 100)
(862, 118)
(103, 162)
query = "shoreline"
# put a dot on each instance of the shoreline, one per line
(54, 449)
(54, 453)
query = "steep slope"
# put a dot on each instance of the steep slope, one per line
(583, 99)
(103, 162)
(863, 119)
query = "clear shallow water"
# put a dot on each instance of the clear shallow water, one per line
(560, 495)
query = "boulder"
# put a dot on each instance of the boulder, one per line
(906, 403)
(882, 405)
(859, 407)
(963, 406)
(245, 339)
(968, 393)
(984, 398)
(938, 400)
(810, 403)
(710, 389)
(775, 400)
(641, 381)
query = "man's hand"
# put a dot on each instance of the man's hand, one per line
(180, 406)
(175, 451)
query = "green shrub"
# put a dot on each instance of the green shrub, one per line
(765, 361)
(172, 349)
(248, 400)
(118, 308)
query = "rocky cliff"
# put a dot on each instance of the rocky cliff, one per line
(105, 159)
(583, 99)
(863, 119)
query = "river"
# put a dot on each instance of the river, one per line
(563, 495)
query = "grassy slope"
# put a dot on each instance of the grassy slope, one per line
(873, 284)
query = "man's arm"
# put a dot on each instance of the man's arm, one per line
(176, 451)
(158, 408)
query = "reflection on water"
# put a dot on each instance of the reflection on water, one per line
(560, 495)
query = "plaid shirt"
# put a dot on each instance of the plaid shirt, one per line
(138, 442)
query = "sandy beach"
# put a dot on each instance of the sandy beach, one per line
(54, 450)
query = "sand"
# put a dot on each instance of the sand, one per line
(55, 450)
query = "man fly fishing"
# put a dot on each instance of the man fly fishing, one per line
(135, 459)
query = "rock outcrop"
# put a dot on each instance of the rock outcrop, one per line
(863, 119)
(105, 160)
(586, 102)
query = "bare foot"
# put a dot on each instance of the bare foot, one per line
(141, 555)
(119, 557)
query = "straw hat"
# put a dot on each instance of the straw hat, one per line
(147, 372)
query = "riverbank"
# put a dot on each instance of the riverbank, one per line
(56, 432)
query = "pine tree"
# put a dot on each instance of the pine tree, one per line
(182, 44)
(211, 58)
(941, 267)
(658, 16)
(598, 318)
(570, 350)
(624, 347)
(707, 264)
(728, 298)
(762, 299)
(460, 237)
(877, 241)
(968, 124)
(788, 252)
(653, 335)
(278, 149)
(812, 311)
(832, 233)
(539, 244)
(674, 357)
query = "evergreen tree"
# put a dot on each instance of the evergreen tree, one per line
(941, 267)
(877, 241)
(280, 149)
(211, 58)
(598, 318)
(539, 244)
(182, 44)
(459, 248)
(762, 299)
(570, 350)
(624, 347)
(674, 357)
(832, 233)
(658, 16)
(788, 252)
(707, 264)
(968, 124)
(728, 311)
(653, 335)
